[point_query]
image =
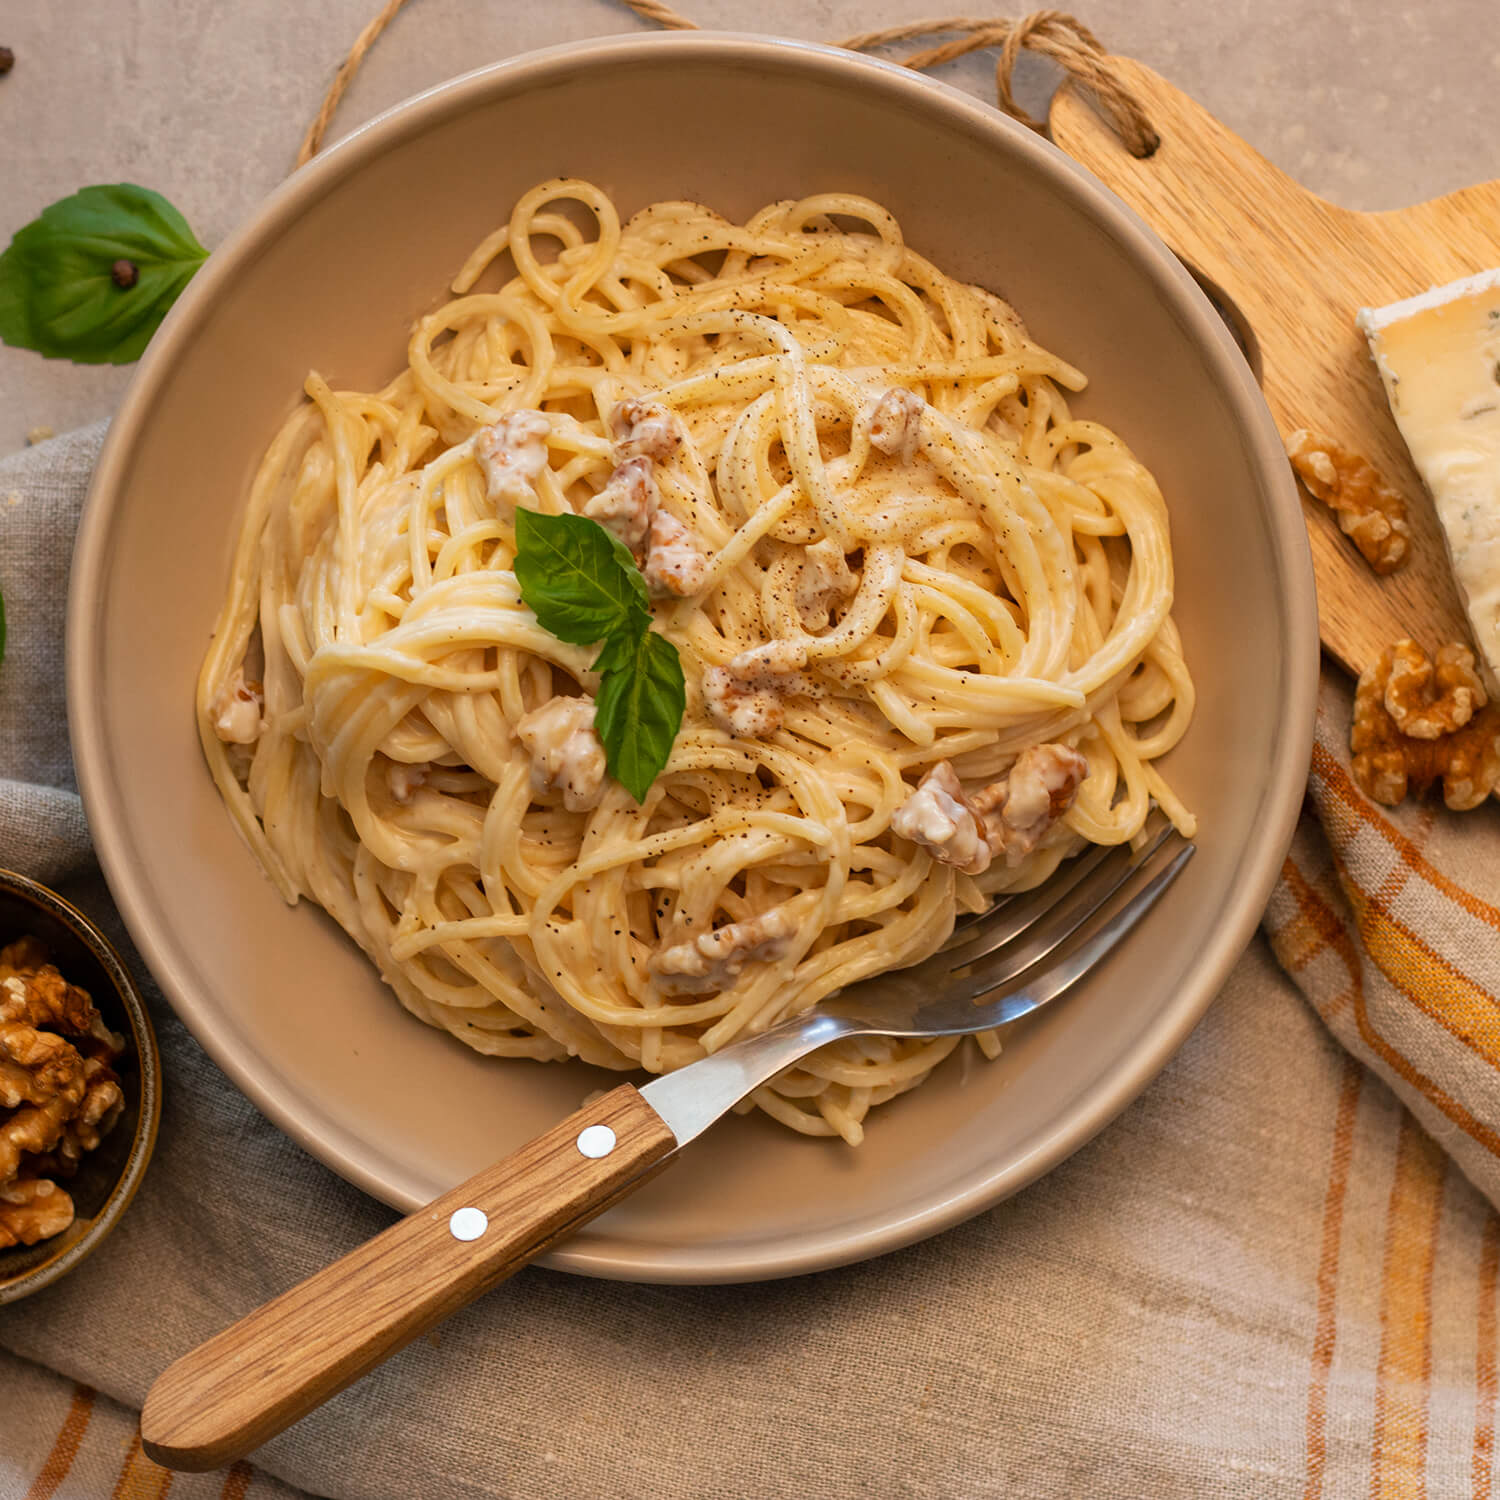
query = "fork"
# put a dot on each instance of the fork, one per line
(261, 1374)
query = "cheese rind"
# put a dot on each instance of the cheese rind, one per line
(1439, 357)
(1372, 319)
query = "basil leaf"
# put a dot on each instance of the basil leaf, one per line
(583, 586)
(639, 709)
(58, 294)
(619, 650)
(578, 579)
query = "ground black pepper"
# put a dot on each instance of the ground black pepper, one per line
(124, 273)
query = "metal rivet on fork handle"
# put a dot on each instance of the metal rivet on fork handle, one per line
(468, 1223)
(596, 1141)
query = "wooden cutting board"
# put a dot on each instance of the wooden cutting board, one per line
(1298, 269)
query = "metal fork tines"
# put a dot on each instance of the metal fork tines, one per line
(1001, 966)
(987, 977)
(1049, 915)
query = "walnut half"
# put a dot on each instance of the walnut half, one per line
(32, 1209)
(1369, 512)
(59, 1093)
(1418, 721)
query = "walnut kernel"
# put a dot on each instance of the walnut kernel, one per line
(1451, 733)
(59, 1093)
(1369, 512)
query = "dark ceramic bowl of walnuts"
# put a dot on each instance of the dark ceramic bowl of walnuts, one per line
(80, 1087)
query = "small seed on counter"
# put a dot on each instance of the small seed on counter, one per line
(7, 61)
(35, 435)
(124, 273)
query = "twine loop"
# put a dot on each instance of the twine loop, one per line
(1049, 33)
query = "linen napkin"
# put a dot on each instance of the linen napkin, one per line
(1267, 1278)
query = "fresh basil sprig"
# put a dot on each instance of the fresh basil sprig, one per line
(578, 579)
(92, 278)
(582, 584)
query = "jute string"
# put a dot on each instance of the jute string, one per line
(1049, 33)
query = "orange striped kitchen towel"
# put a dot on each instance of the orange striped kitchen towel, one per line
(65, 1441)
(1388, 920)
(1264, 1280)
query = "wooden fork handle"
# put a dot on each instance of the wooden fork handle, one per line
(280, 1362)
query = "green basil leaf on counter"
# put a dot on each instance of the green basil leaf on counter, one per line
(639, 710)
(92, 278)
(578, 579)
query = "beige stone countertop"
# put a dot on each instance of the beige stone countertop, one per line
(1373, 103)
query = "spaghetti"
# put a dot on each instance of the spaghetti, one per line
(923, 613)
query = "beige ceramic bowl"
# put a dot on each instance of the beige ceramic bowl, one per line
(329, 273)
(109, 1176)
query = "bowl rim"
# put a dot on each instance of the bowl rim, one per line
(148, 1057)
(1281, 796)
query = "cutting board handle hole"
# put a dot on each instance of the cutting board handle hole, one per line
(1236, 322)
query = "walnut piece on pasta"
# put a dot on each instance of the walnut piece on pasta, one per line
(748, 698)
(939, 818)
(1418, 722)
(896, 422)
(566, 752)
(1369, 512)
(512, 453)
(824, 581)
(675, 562)
(713, 960)
(644, 429)
(671, 555)
(1018, 809)
(1008, 818)
(236, 712)
(627, 503)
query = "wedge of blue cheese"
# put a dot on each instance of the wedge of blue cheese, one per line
(1439, 356)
